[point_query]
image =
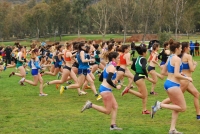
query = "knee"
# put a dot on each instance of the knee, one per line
(35, 84)
(91, 82)
(183, 108)
(196, 94)
(41, 81)
(108, 112)
(115, 107)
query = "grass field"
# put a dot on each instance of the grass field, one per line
(23, 111)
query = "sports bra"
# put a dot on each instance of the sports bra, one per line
(66, 58)
(170, 68)
(151, 56)
(122, 60)
(185, 66)
(105, 74)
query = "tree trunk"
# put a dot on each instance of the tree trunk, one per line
(60, 37)
(125, 29)
(145, 29)
(78, 30)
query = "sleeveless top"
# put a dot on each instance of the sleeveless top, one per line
(105, 73)
(122, 60)
(82, 65)
(170, 68)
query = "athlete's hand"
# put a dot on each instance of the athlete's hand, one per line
(190, 79)
(194, 62)
(119, 86)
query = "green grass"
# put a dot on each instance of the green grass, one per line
(23, 111)
(88, 37)
(92, 37)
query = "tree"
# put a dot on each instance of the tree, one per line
(59, 14)
(177, 11)
(150, 6)
(123, 14)
(37, 18)
(5, 7)
(101, 13)
(79, 12)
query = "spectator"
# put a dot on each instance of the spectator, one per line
(196, 48)
(8, 51)
(192, 48)
(133, 48)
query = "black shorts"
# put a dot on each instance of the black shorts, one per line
(121, 69)
(66, 67)
(14, 60)
(137, 77)
(75, 65)
(117, 67)
(150, 68)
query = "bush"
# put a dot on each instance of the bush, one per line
(164, 36)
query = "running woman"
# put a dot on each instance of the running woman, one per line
(188, 67)
(139, 78)
(110, 103)
(163, 56)
(34, 64)
(173, 69)
(19, 65)
(84, 68)
(124, 62)
(153, 61)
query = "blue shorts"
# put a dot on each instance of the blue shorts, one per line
(34, 72)
(83, 71)
(169, 84)
(162, 63)
(149, 68)
(57, 65)
(104, 89)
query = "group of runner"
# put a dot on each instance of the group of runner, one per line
(82, 61)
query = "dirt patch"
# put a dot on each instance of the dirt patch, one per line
(138, 37)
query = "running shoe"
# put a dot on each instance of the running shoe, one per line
(87, 87)
(153, 93)
(43, 94)
(4, 68)
(59, 75)
(198, 117)
(21, 82)
(11, 74)
(62, 89)
(174, 132)
(97, 72)
(99, 97)
(132, 87)
(82, 93)
(69, 82)
(57, 86)
(155, 108)
(87, 105)
(115, 128)
(146, 112)
(45, 84)
(125, 91)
